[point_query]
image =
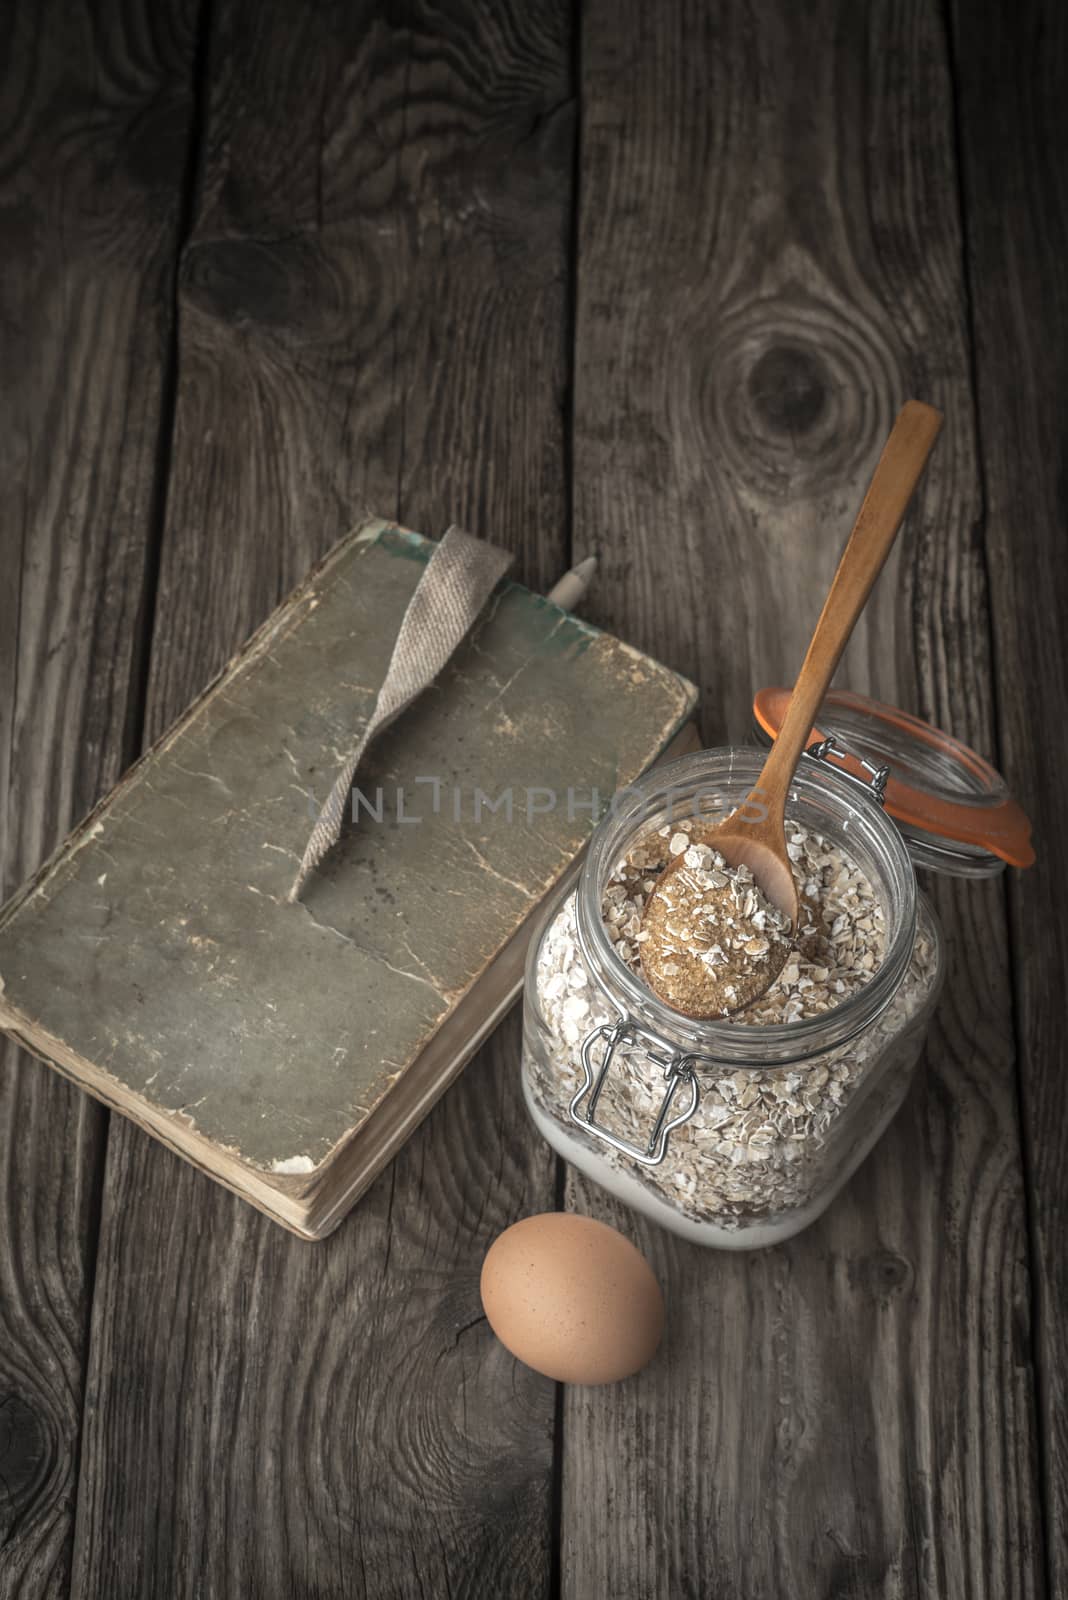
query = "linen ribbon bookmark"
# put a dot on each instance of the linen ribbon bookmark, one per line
(458, 580)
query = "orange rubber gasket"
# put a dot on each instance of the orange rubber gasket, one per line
(1002, 828)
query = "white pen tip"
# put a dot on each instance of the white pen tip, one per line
(571, 589)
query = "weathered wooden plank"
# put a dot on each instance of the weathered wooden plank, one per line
(769, 262)
(374, 314)
(94, 113)
(1010, 65)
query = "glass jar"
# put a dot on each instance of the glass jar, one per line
(731, 1133)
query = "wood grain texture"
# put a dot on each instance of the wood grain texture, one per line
(372, 301)
(769, 262)
(1014, 60)
(374, 313)
(94, 112)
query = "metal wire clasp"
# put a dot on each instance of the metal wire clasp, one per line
(678, 1070)
(878, 776)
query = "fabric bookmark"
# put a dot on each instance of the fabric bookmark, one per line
(459, 578)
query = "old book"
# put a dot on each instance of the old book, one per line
(289, 1049)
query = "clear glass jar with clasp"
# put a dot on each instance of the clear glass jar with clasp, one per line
(734, 1134)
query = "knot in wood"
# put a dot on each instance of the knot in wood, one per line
(25, 1455)
(276, 283)
(881, 1274)
(788, 387)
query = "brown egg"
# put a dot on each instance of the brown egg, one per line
(572, 1298)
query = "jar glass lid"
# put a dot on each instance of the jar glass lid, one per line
(953, 807)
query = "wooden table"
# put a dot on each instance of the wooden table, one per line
(645, 280)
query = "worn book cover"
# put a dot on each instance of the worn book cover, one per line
(288, 1048)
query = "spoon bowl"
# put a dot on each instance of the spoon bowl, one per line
(701, 914)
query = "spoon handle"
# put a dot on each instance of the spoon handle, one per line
(874, 531)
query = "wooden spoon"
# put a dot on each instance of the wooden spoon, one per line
(691, 975)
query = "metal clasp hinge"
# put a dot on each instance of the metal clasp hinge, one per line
(678, 1070)
(878, 776)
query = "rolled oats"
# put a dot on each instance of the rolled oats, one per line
(762, 1138)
